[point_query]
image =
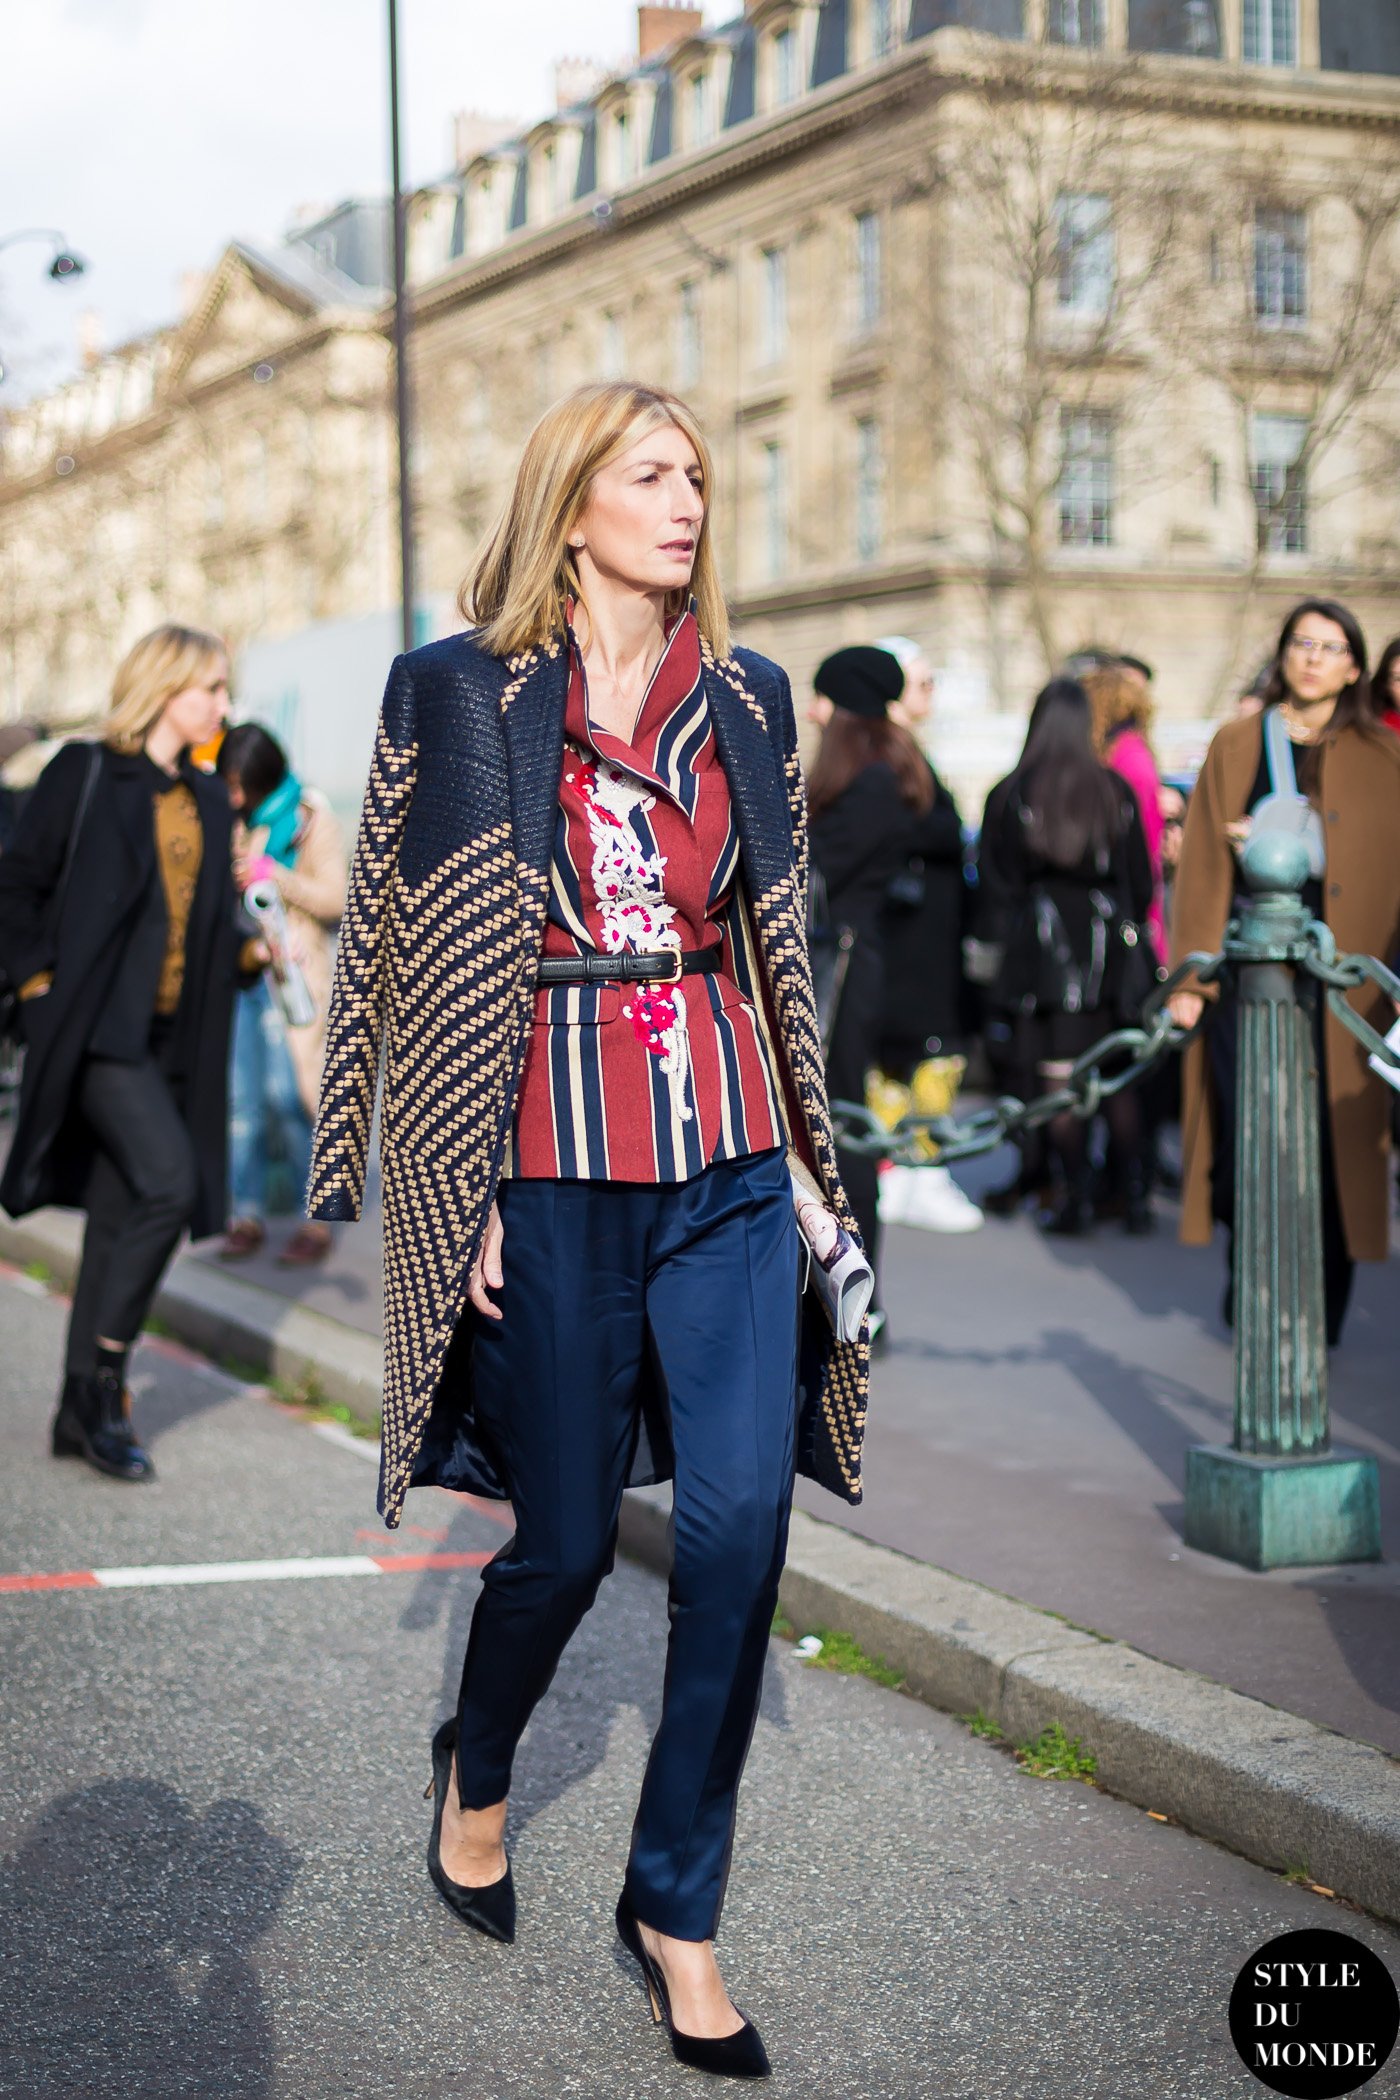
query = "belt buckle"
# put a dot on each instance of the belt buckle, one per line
(676, 971)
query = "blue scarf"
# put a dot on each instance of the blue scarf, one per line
(281, 813)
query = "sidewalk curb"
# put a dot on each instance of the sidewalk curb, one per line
(1281, 1790)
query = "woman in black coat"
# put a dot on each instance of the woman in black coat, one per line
(925, 907)
(1064, 889)
(869, 790)
(118, 927)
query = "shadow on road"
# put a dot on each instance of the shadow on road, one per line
(128, 1923)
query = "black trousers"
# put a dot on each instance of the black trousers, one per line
(141, 1193)
(1222, 1038)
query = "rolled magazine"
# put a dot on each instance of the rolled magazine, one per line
(836, 1269)
(263, 903)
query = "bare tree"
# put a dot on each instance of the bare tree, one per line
(1298, 321)
(1064, 190)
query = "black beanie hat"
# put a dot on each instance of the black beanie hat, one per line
(862, 681)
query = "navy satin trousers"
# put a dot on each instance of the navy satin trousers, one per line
(700, 1276)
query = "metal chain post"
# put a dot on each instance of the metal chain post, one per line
(1281, 1494)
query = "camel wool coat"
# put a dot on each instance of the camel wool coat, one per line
(1360, 805)
(436, 970)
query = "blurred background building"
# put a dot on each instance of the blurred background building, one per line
(1017, 325)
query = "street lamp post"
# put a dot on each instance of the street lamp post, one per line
(64, 265)
(402, 400)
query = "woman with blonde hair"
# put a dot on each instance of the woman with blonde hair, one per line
(575, 929)
(119, 928)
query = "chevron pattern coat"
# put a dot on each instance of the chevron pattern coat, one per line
(436, 972)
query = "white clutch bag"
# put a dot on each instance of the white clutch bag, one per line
(836, 1269)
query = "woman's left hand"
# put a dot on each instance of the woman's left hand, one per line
(1238, 834)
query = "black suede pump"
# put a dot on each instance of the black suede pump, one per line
(491, 1909)
(740, 2055)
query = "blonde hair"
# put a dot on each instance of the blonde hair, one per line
(1115, 699)
(162, 664)
(523, 576)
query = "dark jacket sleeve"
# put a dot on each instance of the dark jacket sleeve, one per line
(32, 866)
(1137, 862)
(1001, 875)
(939, 840)
(862, 825)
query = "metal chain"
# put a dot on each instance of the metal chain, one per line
(1118, 1060)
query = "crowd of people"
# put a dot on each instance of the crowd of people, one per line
(1087, 875)
(1015, 945)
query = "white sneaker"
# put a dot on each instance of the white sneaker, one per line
(895, 1191)
(936, 1204)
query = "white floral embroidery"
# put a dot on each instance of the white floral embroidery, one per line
(630, 885)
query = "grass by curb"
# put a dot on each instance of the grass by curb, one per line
(305, 1396)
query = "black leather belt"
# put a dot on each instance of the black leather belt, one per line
(667, 968)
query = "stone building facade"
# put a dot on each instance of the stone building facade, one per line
(1016, 325)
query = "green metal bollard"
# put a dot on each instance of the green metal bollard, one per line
(1282, 1494)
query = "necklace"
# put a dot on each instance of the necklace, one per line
(1301, 732)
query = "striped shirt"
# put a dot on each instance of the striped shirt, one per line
(646, 1082)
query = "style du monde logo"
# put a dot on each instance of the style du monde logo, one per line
(1314, 2014)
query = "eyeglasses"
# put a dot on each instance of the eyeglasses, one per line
(1306, 646)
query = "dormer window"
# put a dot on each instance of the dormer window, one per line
(698, 109)
(784, 68)
(624, 147)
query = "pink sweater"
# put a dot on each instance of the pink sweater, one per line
(1130, 755)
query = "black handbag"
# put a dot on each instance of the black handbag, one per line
(11, 1005)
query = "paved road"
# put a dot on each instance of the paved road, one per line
(1029, 1429)
(212, 1829)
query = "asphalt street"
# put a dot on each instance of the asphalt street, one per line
(1029, 1428)
(212, 1825)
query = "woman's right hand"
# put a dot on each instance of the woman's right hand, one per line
(486, 1269)
(1186, 1008)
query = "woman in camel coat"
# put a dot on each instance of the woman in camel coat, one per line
(1350, 769)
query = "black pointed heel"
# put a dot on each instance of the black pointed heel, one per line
(491, 1909)
(740, 2055)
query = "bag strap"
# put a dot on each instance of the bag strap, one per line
(70, 852)
(1278, 748)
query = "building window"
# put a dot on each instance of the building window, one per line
(775, 510)
(1084, 252)
(1075, 22)
(623, 169)
(612, 355)
(699, 119)
(1086, 478)
(689, 338)
(1215, 476)
(882, 28)
(870, 491)
(1280, 268)
(1271, 32)
(870, 290)
(775, 305)
(784, 68)
(1279, 477)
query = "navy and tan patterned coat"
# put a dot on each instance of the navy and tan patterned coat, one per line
(436, 970)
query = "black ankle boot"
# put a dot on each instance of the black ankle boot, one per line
(1138, 1221)
(93, 1423)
